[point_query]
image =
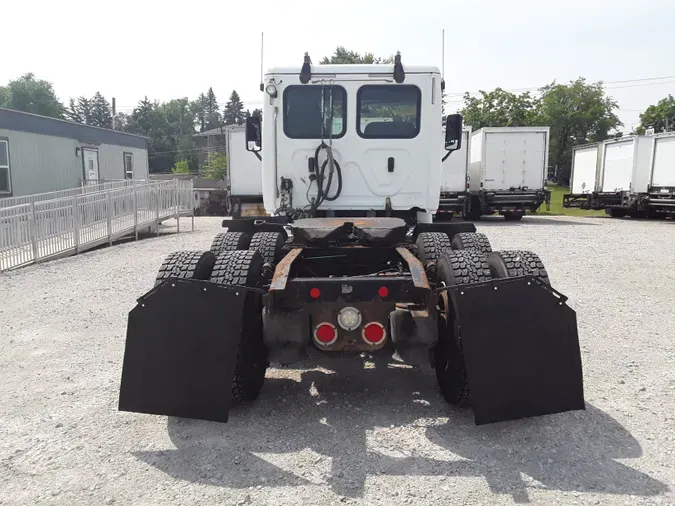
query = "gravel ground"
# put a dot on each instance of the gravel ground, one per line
(353, 433)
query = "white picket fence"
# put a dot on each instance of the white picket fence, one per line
(44, 229)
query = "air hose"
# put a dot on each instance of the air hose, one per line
(333, 166)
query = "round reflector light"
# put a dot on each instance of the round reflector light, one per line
(374, 333)
(315, 293)
(383, 291)
(325, 333)
(349, 318)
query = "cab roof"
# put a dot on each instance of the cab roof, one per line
(386, 68)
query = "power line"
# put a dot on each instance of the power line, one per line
(639, 80)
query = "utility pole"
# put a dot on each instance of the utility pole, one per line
(114, 113)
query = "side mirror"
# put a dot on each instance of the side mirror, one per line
(253, 134)
(453, 132)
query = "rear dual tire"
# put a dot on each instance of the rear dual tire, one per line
(244, 268)
(230, 241)
(186, 265)
(466, 267)
(459, 267)
(238, 268)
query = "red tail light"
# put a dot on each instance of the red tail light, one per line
(383, 291)
(374, 333)
(315, 293)
(325, 333)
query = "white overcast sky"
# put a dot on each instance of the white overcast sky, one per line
(129, 49)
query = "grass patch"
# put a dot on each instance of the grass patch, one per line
(557, 208)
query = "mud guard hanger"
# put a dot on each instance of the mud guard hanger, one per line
(306, 71)
(399, 73)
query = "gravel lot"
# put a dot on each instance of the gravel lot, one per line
(363, 435)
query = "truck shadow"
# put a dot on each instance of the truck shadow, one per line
(338, 429)
(498, 221)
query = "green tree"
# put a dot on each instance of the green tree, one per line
(181, 167)
(212, 116)
(257, 113)
(660, 117)
(79, 110)
(345, 56)
(29, 94)
(198, 108)
(499, 108)
(215, 166)
(143, 117)
(233, 113)
(187, 150)
(101, 111)
(122, 122)
(578, 113)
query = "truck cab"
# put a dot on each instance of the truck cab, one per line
(347, 140)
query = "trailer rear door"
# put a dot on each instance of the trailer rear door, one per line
(584, 166)
(514, 160)
(664, 162)
(618, 166)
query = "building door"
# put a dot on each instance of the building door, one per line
(90, 160)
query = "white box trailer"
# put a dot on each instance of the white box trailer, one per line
(637, 175)
(508, 168)
(657, 189)
(454, 177)
(663, 163)
(244, 168)
(583, 177)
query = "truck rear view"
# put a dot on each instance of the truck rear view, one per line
(508, 167)
(350, 262)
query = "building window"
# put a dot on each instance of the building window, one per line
(303, 116)
(388, 111)
(128, 165)
(5, 176)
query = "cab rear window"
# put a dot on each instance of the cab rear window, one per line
(388, 111)
(304, 117)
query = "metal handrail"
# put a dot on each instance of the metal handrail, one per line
(43, 229)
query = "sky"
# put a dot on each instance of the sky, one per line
(130, 49)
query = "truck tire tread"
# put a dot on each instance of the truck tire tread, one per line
(462, 267)
(430, 246)
(509, 264)
(243, 268)
(186, 265)
(269, 245)
(230, 241)
(471, 241)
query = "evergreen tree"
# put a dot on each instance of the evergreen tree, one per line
(101, 112)
(233, 114)
(212, 117)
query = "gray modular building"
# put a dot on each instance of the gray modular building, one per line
(40, 154)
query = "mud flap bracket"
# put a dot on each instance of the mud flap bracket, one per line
(181, 345)
(521, 349)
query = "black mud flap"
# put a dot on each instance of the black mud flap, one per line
(521, 349)
(181, 347)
